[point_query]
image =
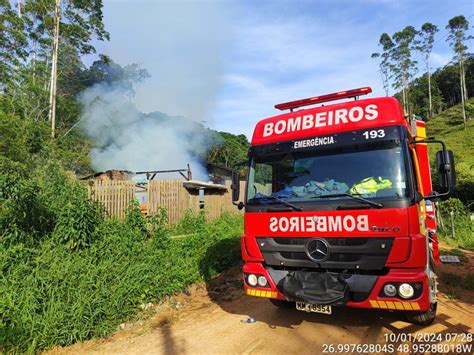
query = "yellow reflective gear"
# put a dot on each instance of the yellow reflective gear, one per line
(370, 186)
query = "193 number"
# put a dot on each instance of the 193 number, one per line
(375, 133)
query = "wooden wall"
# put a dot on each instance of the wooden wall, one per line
(170, 194)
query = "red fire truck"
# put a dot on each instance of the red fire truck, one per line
(338, 207)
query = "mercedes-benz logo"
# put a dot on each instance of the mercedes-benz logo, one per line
(317, 250)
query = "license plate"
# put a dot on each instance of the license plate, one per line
(316, 308)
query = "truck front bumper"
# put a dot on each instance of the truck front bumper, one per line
(363, 291)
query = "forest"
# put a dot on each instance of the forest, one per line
(407, 52)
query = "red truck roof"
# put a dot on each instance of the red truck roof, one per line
(345, 116)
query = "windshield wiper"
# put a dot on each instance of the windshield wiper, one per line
(355, 197)
(296, 208)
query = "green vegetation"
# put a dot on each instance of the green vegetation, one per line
(68, 275)
(445, 90)
(430, 93)
(463, 226)
(230, 152)
(448, 126)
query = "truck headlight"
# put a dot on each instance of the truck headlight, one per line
(406, 291)
(390, 290)
(262, 281)
(252, 280)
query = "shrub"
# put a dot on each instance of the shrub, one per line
(158, 226)
(463, 226)
(190, 222)
(24, 216)
(452, 205)
(45, 202)
(136, 220)
(465, 182)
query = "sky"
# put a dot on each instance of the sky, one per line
(227, 63)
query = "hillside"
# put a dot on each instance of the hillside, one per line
(448, 126)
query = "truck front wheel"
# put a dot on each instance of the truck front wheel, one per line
(423, 317)
(282, 304)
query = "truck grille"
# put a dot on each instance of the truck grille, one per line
(344, 253)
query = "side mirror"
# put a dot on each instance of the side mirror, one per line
(446, 170)
(235, 186)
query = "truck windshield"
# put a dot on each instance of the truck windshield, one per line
(297, 176)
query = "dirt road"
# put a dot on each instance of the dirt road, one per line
(207, 319)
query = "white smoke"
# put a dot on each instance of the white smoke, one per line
(181, 46)
(127, 139)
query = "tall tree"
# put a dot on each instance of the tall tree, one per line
(403, 65)
(427, 34)
(384, 62)
(458, 27)
(54, 68)
(45, 26)
(383, 70)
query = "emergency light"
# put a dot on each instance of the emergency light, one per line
(324, 98)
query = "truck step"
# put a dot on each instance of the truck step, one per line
(449, 259)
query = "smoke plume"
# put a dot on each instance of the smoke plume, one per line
(127, 139)
(181, 46)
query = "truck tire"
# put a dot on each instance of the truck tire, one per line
(423, 317)
(282, 304)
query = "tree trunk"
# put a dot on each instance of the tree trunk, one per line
(462, 95)
(406, 108)
(383, 80)
(407, 94)
(405, 111)
(430, 115)
(54, 69)
(464, 81)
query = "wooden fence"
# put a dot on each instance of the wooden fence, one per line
(116, 196)
(170, 194)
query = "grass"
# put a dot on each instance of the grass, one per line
(448, 126)
(464, 232)
(52, 295)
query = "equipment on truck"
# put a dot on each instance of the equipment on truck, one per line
(370, 185)
(336, 210)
